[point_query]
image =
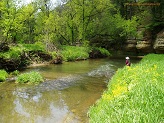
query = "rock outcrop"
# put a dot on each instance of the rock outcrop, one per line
(159, 42)
(146, 44)
(130, 45)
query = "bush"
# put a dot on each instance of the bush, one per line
(30, 78)
(135, 94)
(3, 75)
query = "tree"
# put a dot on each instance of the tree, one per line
(45, 28)
(17, 23)
(8, 15)
(26, 18)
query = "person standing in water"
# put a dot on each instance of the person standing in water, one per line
(127, 62)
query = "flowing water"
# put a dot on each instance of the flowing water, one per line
(65, 96)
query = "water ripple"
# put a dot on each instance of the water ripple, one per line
(102, 71)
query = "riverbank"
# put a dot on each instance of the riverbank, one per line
(22, 56)
(134, 94)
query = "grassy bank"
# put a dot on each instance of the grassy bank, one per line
(134, 95)
(73, 53)
(15, 52)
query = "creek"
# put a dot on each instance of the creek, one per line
(65, 96)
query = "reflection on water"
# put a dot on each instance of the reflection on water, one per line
(69, 90)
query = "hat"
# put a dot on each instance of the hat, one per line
(127, 58)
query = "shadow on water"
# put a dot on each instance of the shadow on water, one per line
(66, 95)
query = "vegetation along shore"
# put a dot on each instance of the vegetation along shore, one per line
(134, 94)
(21, 56)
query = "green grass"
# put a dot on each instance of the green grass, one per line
(13, 53)
(72, 53)
(30, 78)
(134, 95)
(3, 75)
(38, 46)
(68, 53)
(16, 51)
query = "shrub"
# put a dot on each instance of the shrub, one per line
(3, 75)
(30, 78)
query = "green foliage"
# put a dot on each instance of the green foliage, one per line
(30, 78)
(103, 51)
(76, 21)
(135, 94)
(15, 73)
(17, 22)
(3, 75)
(44, 28)
(38, 46)
(55, 54)
(72, 53)
(130, 27)
(14, 53)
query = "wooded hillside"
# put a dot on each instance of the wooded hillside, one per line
(89, 22)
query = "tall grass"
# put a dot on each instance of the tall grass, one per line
(72, 53)
(13, 53)
(38, 46)
(16, 51)
(135, 94)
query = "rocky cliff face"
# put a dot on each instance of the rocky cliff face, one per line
(146, 44)
(130, 45)
(159, 42)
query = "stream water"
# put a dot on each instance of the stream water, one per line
(65, 96)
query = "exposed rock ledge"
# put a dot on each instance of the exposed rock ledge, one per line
(146, 45)
(159, 42)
